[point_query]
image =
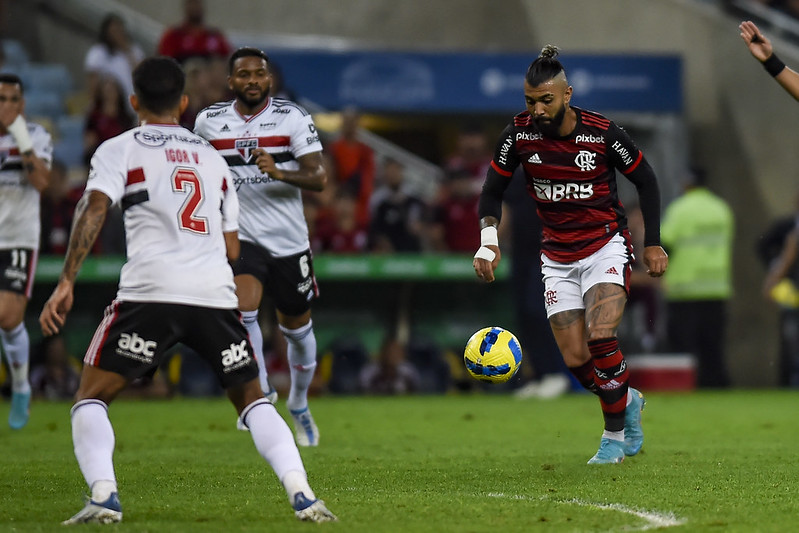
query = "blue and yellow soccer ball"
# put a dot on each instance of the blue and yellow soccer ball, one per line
(493, 354)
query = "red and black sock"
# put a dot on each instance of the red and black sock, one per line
(585, 375)
(611, 379)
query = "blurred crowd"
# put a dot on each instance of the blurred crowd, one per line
(372, 203)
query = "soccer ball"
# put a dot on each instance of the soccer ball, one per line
(492, 354)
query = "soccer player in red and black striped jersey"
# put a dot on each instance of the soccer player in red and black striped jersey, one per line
(570, 157)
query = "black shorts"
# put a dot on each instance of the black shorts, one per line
(17, 266)
(133, 337)
(289, 280)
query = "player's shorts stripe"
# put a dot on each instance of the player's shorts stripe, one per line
(130, 200)
(263, 142)
(237, 161)
(135, 175)
(32, 260)
(499, 170)
(92, 356)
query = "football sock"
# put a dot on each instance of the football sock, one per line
(613, 435)
(302, 362)
(250, 319)
(273, 438)
(16, 345)
(93, 439)
(296, 481)
(585, 375)
(611, 377)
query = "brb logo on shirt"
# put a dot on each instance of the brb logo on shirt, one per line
(555, 192)
(245, 148)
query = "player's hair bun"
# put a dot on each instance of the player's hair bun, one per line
(550, 51)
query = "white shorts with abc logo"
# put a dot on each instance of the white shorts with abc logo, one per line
(565, 284)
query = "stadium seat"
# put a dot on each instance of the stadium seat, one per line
(69, 150)
(51, 77)
(349, 356)
(433, 369)
(16, 55)
(70, 127)
(43, 104)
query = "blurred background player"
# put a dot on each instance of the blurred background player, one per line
(273, 151)
(569, 156)
(181, 209)
(697, 231)
(26, 152)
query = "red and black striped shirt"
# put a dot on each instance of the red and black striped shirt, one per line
(572, 180)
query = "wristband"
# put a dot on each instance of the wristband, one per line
(19, 131)
(488, 235)
(485, 253)
(773, 65)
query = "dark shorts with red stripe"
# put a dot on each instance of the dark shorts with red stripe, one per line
(289, 281)
(17, 266)
(133, 336)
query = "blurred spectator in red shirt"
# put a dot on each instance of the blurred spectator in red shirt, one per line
(343, 234)
(354, 164)
(108, 117)
(456, 226)
(193, 38)
(58, 202)
(472, 155)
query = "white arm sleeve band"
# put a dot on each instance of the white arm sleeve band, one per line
(19, 130)
(485, 253)
(488, 235)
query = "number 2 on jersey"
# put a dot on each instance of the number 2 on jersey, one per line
(185, 180)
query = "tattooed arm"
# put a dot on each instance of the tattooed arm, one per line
(89, 217)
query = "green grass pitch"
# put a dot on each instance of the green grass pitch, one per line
(712, 461)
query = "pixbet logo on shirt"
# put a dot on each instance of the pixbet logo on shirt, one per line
(555, 192)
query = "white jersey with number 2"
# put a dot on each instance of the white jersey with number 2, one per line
(177, 198)
(271, 210)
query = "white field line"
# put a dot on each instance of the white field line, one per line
(654, 519)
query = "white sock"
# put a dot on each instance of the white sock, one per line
(250, 319)
(296, 481)
(273, 438)
(613, 435)
(302, 362)
(93, 439)
(16, 345)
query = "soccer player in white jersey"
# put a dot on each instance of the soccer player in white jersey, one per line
(25, 157)
(180, 212)
(273, 151)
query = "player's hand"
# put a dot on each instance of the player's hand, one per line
(266, 163)
(56, 308)
(485, 268)
(656, 261)
(758, 44)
